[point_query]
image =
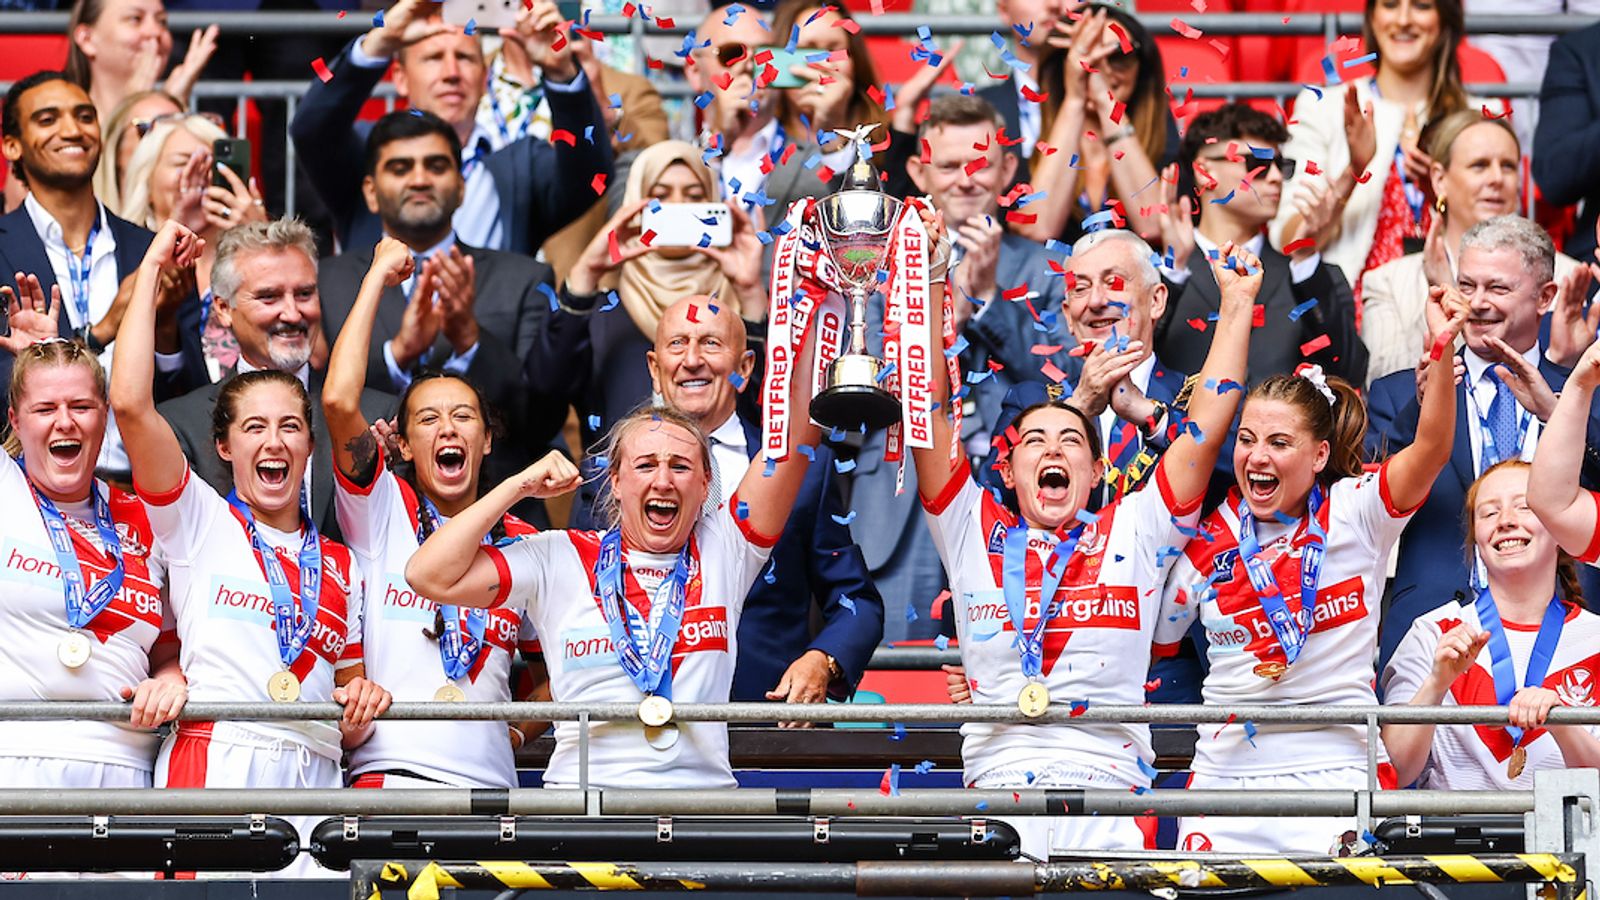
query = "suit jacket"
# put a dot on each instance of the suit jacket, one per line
(21, 250)
(1006, 331)
(190, 418)
(541, 185)
(1566, 144)
(815, 560)
(1275, 346)
(1432, 562)
(511, 312)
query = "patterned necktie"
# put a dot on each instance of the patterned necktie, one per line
(1502, 425)
(1122, 451)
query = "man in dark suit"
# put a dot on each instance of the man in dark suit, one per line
(1307, 312)
(62, 236)
(1566, 144)
(699, 346)
(466, 310)
(1506, 270)
(265, 282)
(517, 195)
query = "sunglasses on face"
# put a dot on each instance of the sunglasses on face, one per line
(1286, 166)
(143, 126)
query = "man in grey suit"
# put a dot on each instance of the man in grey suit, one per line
(1008, 305)
(265, 280)
(466, 310)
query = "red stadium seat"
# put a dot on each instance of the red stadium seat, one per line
(24, 54)
(1194, 62)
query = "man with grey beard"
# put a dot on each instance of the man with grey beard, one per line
(265, 283)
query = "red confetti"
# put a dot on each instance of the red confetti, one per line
(927, 155)
(1197, 324)
(1021, 218)
(1045, 349)
(1188, 31)
(1122, 37)
(1258, 316)
(563, 136)
(849, 25)
(936, 611)
(694, 313)
(1312, 168)
(722, 81)
(1033, 96)
(977, 165)
(1083, 349)
(1297, 245)
(1005, 141)
(599, 184)
(1049, 370)
(1363, 178)
(663, 22)
(340, 15)
(876, 93)
(1504, 113)
(321, 68)
(1016, 293)
(1152, 685)
(824, 174)
(1116, 111)
(1320, 342)
(787, 152)
(652, 63)
(611, 245)
(647, 237)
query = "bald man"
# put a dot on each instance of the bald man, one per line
(700, 364)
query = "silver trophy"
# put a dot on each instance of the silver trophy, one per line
(855, 224)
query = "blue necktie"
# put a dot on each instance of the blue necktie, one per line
(1502, 425)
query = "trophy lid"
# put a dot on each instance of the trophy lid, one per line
(862, 174)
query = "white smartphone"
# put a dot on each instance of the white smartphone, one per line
(688, 224)
(487, 16)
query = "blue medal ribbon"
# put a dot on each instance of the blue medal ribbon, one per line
(458, 649)
(1291, 630)
(1500, 663)
(1014, 586)
(82, 605)
(646, 658)
(78, 270)
(295, 622)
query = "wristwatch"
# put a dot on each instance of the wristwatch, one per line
(835, 671)
(1156, 421)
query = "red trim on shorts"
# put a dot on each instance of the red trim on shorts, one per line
(360, 490)
(1165, 486)
(167, 497)
(367, 781)
(503, 571)
(186, 766)
(1591, 553)
(1388, 501)
(947, 494)
(767, 541)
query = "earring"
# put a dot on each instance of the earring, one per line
(1438, 206)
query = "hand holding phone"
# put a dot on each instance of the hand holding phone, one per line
(688, 224)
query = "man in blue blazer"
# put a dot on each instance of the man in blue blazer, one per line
(1566, 144)
(1506, 271)
(517, 195)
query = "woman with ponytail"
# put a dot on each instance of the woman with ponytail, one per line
(420, 649)
(1286, 579)
(1521, 639)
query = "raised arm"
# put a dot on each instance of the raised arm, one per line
(1189, 461)
(153, 451)
(353, 446)
(1553, 491)
(1057, 174)
(452, 562)
(1413, 469)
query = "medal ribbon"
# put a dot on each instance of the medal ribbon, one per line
(1291, 630)
(1014, 585)
(458, 649)
(647, 659)
(82, 606)
(295, 622)
(78, 270)
(1500, 664)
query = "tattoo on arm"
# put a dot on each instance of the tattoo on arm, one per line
(363, 450)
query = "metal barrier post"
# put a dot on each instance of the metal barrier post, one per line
(1565, 804)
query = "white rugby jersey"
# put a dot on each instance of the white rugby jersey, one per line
(1096, 649)
(1336, 664)
(224, 614)
(551, 575)
(379, 521)
(1475, 757)
(33, 622)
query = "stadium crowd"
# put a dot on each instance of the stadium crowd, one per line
(1291, 401)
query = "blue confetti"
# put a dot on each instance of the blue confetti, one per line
(844, 465)
(1183, 71)
(737, 380)
(703, 100)
(1087, 518)
(1148, 770)
(899, 732)
(808, 451)
(1360, 61)
(771, 466)
(377, 19)
(884, 373)
(550, 294)
(1220, 201)
(845, 519)
(1099, 220)
(1250, 733)
(1302, 309)
(911, 613)
(941, 642)
(982, 805)
(616, 101)
(734, 12)
(588, 134)
(771, 575)
(1314, 89)
(612, 301)
(1329, 70)
(705, 240)
(472, 27)
(847, 603)
(594, 423)
(742, 510)
(924, 767)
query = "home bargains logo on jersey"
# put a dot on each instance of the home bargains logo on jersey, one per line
(1088, 606)
(401, 602)
(248, 601)
(1246, 628)
(25, 564)
(704, 629)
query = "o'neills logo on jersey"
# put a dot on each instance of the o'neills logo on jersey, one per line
(1576, 688)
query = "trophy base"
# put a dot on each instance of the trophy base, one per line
(853, 401)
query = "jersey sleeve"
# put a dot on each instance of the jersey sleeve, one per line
(523, 566)
(355, 616)
(1591, 553)
(183, 517)
(1411, 663)
(1180, 606)
(1373, 509)
(363, 510)
(748, 549)
(953, 518)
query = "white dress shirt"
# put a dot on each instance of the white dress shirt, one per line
(729, 456)
(744, 166)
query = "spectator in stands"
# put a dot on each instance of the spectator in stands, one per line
(1566, 145)
(133, 117)
(170, 177)
(66, 241)
(264, 278)
(1505, 268)
(1307, 312)
(1476, 173)
(834, 95)
(464, 309)
(1360, 166)
(120, 47)
(515, 196)
(1303, 520)
(114, 643)
(445, 430)
(247, 544)
(1029, 24)
(672, 540)
(593, 351)
(1104, 76)
(1528, 618)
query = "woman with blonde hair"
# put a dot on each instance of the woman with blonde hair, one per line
(119, 136)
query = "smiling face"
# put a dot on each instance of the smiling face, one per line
(60, 420)
(1481, 181)
(1510, 539)
(695, 352)
(957, 192)
(125, 28)
(276, 310)
(267, 445)
(1276, 458)
(445, 75)
(1505, 300)
(1052, 468)
(141, 115)
(446, 438)
(1407, 33)
(58, 142)
(1107, 295)
(661, 478)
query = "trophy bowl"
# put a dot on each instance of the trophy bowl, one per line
(855, 226)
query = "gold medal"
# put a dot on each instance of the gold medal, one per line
(74, 650)
(1272, 670)
(449, 694)
(664, 737)
(655, 711)
(1034, 699)
(283, 687)
(1518, 762)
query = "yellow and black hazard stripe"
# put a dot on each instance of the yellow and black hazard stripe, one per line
(422, 881)
(1273, 872)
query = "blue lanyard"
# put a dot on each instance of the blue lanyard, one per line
(1489, 454)
(1014, 586)
(78, 269)
(1291, 630)
(458, 649)
(294, 622)
(646, 658)
(82, 606)
(500, 120)
(1500, 664)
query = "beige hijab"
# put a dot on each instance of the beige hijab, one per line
(653, 282)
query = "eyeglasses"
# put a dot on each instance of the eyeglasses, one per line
(1286, 166)
(730, 55)
(143, 126)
